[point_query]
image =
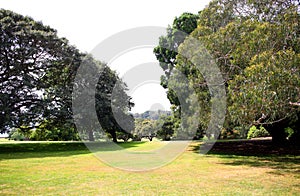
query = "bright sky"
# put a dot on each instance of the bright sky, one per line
(87, 23)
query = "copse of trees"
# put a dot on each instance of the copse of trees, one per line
(37, 76)
(255, 45)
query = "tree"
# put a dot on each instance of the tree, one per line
(113, 104)
(145, 128)
(166, 51)
(236, 33)
(38, 71)
(100, 102)
(268, 91)
(167, 129)
(35, 73)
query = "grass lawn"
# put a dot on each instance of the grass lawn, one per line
(68, 168)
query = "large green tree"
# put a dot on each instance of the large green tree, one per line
(100, 102)
(113, 104)
(166, 53)
(37, 82)
(36, 73)
(248, 39)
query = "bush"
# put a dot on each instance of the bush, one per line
(289, 132)
(292, 135)
(254, 132)
(16, 135)
(230, 134)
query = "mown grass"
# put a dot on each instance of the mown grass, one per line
(68, 168)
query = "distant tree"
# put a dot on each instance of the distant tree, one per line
(167, 128)
(145, 128)
(153, 115)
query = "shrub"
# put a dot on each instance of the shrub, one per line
(16, 135)
(289, 132)
(254, 132)
(230, 134)
(292, 135)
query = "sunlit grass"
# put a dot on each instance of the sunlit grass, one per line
(143, 146)
(39, 169)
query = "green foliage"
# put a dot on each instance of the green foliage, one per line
(34, 61)
(231, 134)
(254, 132)
(37, 76)
(145, 128)
(255, 45)
(153, 115)
(293, 135)
(167, 129)
(266, 88)
(113, 105)
(16, 135)
(289, 132)
(48, 131)
(166, 53)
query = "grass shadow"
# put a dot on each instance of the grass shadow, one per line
(23, 150)
(255, 153)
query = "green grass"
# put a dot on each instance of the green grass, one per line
(68, 168)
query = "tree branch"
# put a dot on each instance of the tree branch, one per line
(294, 104)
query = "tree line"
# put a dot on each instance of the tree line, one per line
(255, 45)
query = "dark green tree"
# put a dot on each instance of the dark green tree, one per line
(36, 71)
(167, 128)
(37, 83)
(113, 105)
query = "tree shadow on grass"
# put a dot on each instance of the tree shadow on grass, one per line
(280, 165)
(256, 153)
(24, 150)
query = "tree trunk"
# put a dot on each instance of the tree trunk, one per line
(91, 136)
(278, 137)
(114, 136)
(277, 132)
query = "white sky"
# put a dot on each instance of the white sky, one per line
(87, 23)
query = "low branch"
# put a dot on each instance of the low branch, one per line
(260, 120)
(256, 123)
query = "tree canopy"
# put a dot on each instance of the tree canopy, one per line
(36, 72)
(37, 76)
(255, 45)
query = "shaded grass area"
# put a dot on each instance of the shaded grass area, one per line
(70, 169)
(256, 153)
(18, 150)
(250, 148)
